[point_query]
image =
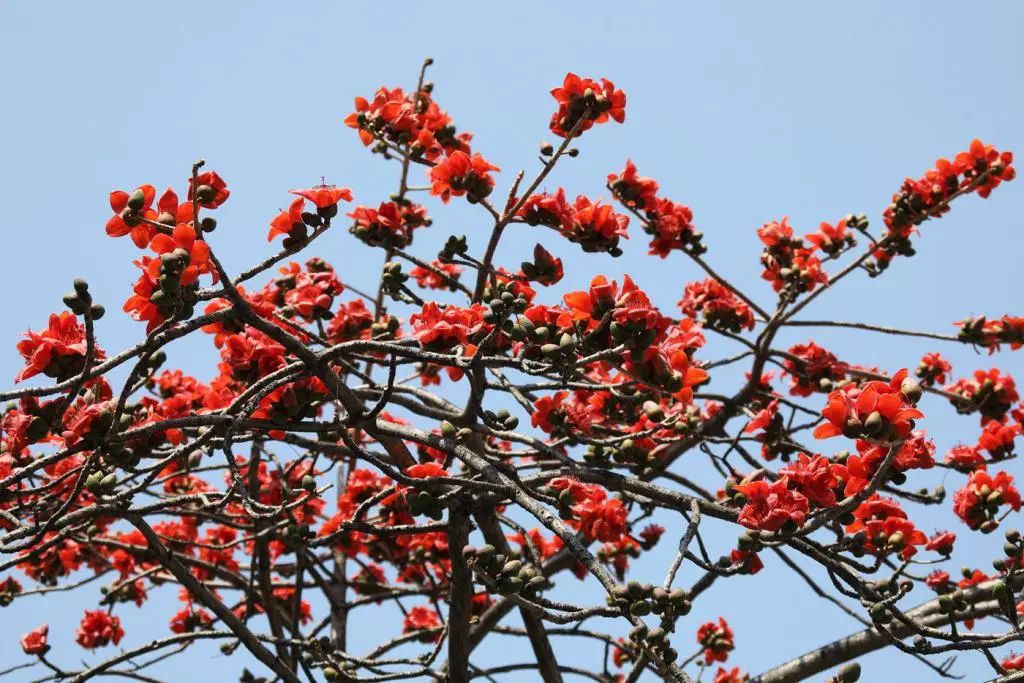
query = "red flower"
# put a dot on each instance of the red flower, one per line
(184, 240)
(813, 477)
(289, 223)
(579, 96)
(997, 438)
(942, 542)
(720, 308)
(189, 620)
(545, 269)
(831, 238)
(325, 196)
(553, 413)
(426, 470)
(772, 506)
(632, 189)
(671, 226)
(965, 458)
(596, 226)
(749, 562)
(129, 210)
(717, 640)
(430, 278)
(933, 369)
(58, 351)
(34, 642)
(990, 334)
(446, 328)
(601, 519)
(98, 628)
(460, 175)
(813, 368)
(939, 581)
(978, 502)
(422, 618)
(735, 675)
(212, 190)
(878, 411)
(350, 321)
(990, 393)
(594, 303)
(1013, 662)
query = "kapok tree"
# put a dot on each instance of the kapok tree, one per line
(464, 440)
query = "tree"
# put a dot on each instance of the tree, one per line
(364, 448)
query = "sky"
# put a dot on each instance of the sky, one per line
(745, 111)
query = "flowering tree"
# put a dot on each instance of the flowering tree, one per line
(456, 439)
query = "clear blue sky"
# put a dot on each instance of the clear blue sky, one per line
(746, 111)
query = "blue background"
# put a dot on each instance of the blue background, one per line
(744, 111)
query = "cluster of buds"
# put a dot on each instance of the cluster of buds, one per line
(953, 602)
(453, 246)
(502, 301)
(173, 298)
(101, 483)
(392, 281)
(640, 599)
(542, 340)
(424, 502)
(656, 639)
(79, 302)
(317, 652)
(509, 575)
(385, 329)
(625, 452)
(500, 419)
(1013, 547)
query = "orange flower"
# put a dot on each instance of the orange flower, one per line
(460, 175)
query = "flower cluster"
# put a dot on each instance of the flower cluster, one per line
(670, 224)
(978, 502)
(394, 118)
(789, 264)
(980, 169)
(717, 306)
(880, 412)
(990, 334)
(596, 227)
(582, 102)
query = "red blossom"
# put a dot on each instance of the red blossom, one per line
(34, 642)
(584, 102)
(462, 175)
(97, 629)
(717, 640)
(772, 506)
(210, 191)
